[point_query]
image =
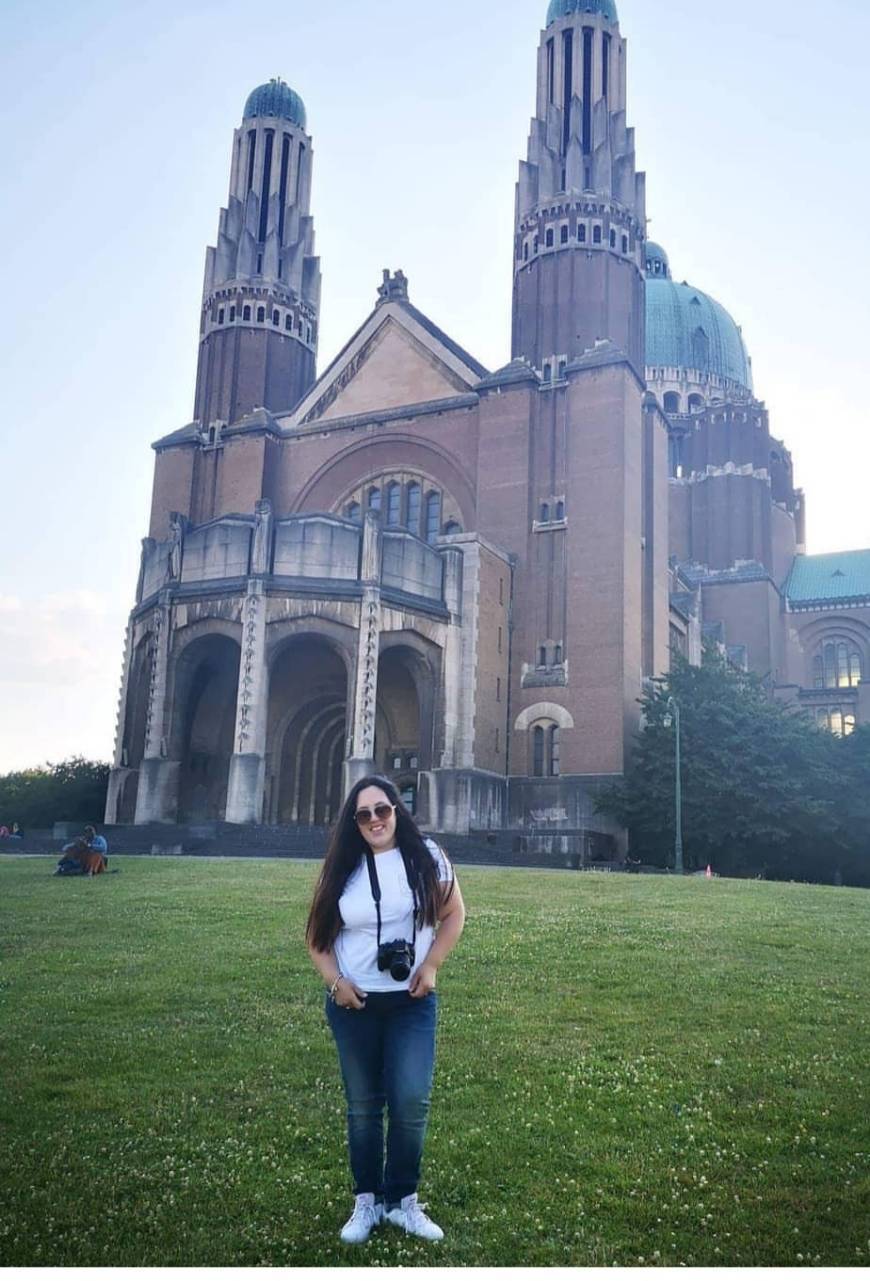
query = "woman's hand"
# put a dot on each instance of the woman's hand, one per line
(423, 981)
(349, 996)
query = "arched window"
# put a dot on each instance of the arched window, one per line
(542, 656)
(288, 322)
(433, 516)
(596, 235)
(276, 316)
(374, 499)
(261, 315)
(246, 312)
(394, 502)
(696, 403)
(672, 402)
(545, 512)
(581, 233)
(836, 720)
(353, 511)
(414, 500)
(560, 511)
(558, 655)
(837, 664)
(220, 315)
(546, 750)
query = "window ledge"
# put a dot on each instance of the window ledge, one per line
(544, 677)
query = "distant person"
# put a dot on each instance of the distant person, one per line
(87, 855)
(16, 834)
(4, 832)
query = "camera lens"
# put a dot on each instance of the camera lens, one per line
(400, 968)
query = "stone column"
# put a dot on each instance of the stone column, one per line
(361, 760)
(245, 791)
(447, 788)
(467, 678)
(118, 773)
(157, 798)
(452, 662)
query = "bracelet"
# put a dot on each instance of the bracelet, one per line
(335, 985)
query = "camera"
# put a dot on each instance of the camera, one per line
(397, 957)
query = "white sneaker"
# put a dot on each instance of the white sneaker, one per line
(366, 1216)
(410, 1216)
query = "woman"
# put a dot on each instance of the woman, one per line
(387, 910)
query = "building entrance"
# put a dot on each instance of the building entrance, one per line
(307, 732)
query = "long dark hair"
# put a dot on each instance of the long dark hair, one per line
(347, 846)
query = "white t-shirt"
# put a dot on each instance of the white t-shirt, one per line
(356, 948)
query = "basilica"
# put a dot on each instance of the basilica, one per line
(459, 577)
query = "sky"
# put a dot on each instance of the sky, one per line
(117, 119)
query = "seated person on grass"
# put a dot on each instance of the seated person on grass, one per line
(85, 856)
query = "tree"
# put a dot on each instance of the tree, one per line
(74, 789)
(763, 787)
(853, 804)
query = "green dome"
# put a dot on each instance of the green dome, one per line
(277, 100)
(687, 329)
(561, 9)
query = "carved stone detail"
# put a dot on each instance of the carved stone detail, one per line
(247, 673)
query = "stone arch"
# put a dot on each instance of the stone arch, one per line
(390, 452)
(309, 677)
(544, 712)
(339, 636)
(135, 725)
(204, 690)
(409, 678)
(136, 707)
(835, 629)
(126, 811)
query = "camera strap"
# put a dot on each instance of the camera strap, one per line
(376, 892)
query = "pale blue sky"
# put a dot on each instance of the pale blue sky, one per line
(752, 125)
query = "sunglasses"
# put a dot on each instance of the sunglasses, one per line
(382, 812)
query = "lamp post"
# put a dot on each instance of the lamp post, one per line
(673, 716)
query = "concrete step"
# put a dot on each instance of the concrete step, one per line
(228, 840)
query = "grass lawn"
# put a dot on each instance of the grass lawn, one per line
(631, 1069)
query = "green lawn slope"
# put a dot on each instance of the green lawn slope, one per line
(631, 1070)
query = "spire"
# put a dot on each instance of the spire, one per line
(261, 295)
(580, 204)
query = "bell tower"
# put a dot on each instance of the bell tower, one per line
(261, 297)
(580, 204)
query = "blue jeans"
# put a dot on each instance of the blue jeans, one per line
(387, 1057)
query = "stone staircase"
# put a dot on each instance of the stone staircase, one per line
(229, 840)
